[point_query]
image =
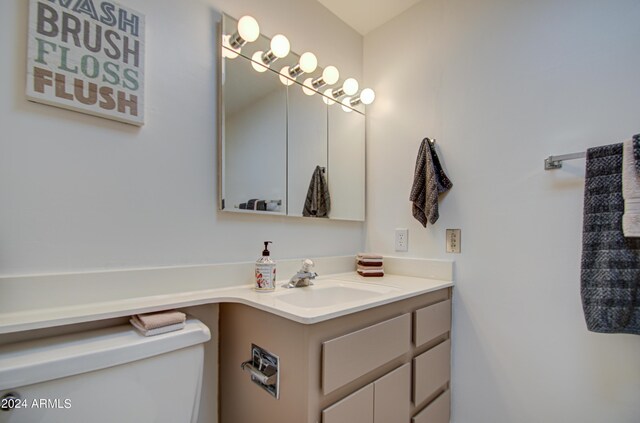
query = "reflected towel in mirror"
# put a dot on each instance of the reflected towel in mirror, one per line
(318, 201)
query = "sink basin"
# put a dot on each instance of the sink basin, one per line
(327, 293)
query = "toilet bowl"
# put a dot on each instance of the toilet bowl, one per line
(105, 376)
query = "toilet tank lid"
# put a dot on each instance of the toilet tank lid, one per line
(29, 362)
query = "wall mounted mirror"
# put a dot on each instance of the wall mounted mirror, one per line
(274, 137)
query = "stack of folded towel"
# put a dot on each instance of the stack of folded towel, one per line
(161, 322)
(370, 264)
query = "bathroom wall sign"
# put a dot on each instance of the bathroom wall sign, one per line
(87, 56)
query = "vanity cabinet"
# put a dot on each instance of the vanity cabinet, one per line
(388, 364)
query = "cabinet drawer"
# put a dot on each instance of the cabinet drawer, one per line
(392, 396)
(436, 412)
(431, 322)
(431, 370)
(356, 408)
(348, 357)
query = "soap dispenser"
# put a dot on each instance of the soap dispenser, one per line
(265, 271)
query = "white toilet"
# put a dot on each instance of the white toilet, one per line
(105, 376)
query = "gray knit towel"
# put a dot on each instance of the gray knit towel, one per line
(429, 180)
(318, 201)
(610, 275)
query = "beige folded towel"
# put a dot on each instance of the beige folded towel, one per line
(630, 192)
(160, 319)
(369, 256)
(369, 267)
(370, 270)
(156, 331)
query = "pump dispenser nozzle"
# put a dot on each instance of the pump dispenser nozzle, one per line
(266, 252)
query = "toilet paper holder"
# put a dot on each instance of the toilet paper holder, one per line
(264, 369)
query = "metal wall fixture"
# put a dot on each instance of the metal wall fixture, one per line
(555, 162)
(248, 30)
(264, 368)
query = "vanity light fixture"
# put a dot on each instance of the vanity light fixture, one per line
(349, 87)
(280, 48)
(366, 97)
(330, 76)
(248, 31)
(307, 64)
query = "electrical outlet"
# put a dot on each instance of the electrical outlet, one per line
(402, 239)
(453, 240)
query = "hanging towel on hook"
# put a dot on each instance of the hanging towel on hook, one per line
(429, 181)
(610, 270)
(318, 201)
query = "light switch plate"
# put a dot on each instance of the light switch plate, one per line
(453, 240)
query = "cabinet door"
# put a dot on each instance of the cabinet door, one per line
(392, 396)
(356, 408)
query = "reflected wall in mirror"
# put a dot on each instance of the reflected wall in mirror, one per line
(307, 147)
(273, 137)
(255, 141)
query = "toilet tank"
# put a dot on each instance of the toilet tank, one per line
(105, 376)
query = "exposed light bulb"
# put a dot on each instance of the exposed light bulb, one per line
(328, 93)
(280, 46)
(228, 51)
(350, 86)
(248, 28)
(257, 63)
(307, 87)
(284, 76)
(367, 96)
(346, 104)
(308, 62)
(330, 75)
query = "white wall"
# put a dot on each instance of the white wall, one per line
(502, 84)
(80, 193)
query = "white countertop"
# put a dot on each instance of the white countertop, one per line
(390, 288)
